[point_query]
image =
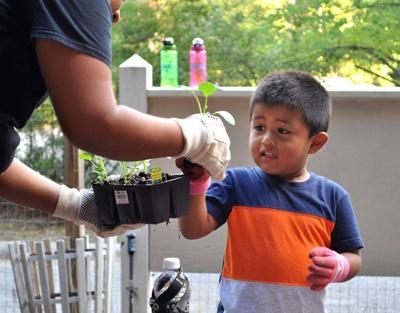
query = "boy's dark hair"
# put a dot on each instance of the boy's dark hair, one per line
(297, 91)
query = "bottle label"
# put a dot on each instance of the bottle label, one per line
(198, 67)
(198, 74)
(169, 68)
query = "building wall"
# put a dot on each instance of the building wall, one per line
(362, 155)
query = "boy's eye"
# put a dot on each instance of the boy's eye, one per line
(283, 131)
(259, 127)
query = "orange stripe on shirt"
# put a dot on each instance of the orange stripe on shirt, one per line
(271, 245)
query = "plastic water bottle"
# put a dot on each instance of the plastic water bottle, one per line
(171, 291)
(169, 63)
(198, 63)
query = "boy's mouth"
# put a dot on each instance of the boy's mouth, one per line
(268, 155)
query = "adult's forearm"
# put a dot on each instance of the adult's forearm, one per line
(22, 185)
(80, 87)
(127, 134)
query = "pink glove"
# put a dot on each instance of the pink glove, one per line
(328, 266)
(200, 185)
(200, 180)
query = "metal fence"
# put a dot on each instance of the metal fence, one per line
(361, 295)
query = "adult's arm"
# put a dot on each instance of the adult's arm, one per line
(23, 185)
(80, 87)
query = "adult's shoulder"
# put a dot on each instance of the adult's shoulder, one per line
(84, 26)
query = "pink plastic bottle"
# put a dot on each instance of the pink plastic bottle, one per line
(197, 63)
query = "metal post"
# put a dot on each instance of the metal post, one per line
(135, 261)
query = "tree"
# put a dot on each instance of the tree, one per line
(43, 143)
(247, 39)
(342, 37)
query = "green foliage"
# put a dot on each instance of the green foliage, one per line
(98, 166)
(127, 172)
(248, 39)
(42, 143)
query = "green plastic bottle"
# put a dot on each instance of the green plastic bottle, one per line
(169, 64)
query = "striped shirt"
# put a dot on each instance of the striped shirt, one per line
(272, 227)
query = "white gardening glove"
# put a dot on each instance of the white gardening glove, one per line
(79, 207)
(206, 143)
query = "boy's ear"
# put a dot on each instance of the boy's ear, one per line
(318, 141)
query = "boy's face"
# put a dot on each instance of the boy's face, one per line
(280, 143)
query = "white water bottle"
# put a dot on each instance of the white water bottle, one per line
(171, 291)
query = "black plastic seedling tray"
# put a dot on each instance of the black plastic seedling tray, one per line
(143, 203)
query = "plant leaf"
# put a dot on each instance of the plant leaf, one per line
(86, 156)
(226, 116)
(207, 88)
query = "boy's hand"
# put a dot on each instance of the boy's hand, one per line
(206, 143)
(328, 266)
(199, 178)
(80, 208)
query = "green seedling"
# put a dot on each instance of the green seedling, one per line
(127, 172)
(98, 166)
(208, 89)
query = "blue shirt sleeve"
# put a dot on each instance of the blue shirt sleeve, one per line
(81, 25)
(220, 198)
(345, 235)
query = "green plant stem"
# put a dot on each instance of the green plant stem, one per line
(205, 109)
(197, 101)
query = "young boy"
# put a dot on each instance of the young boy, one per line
(290, 232)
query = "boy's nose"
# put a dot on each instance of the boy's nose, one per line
(268, 139)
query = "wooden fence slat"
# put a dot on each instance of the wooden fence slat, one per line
(27, 271)
(98, 307)
(37, 287)
(81, 273)
(49, 266)
(35, 275)
(108, 273)
(44, 281)
(63, 276)
(19, 278)
(89, 282)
